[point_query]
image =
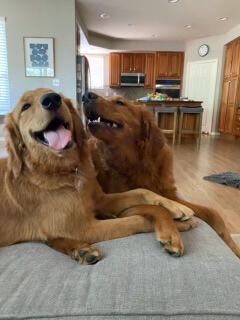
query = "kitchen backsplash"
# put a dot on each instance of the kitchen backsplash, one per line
(130, 93)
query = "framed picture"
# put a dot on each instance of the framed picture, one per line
(39, 57)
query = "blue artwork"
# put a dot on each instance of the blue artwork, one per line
(39, 55)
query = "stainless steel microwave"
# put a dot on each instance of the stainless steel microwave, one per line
(132, 79)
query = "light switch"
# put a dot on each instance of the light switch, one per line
(56, 82)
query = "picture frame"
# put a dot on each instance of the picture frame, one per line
(39, 57)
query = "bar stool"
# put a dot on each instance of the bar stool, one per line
(168, 110)
(198, 111)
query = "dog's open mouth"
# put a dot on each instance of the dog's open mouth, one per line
(96, 120)
(56, 135)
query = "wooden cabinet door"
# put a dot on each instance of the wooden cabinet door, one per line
(224, 101)
(149, 70)
(161, 65)
(231, 101)
(139, 62)
(114, 69)
(228, 62)
(235, 58)
(127, 62)
(175, 65)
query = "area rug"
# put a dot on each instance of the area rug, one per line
(231, 179)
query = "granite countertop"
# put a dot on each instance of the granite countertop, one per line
(168, 101)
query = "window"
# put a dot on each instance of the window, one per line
(96, 66)
(4, 85)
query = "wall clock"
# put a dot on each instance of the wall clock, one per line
(203, 50)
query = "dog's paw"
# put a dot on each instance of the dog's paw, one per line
(187, 225)
(88, 255)
(171, 242)
(179, 211)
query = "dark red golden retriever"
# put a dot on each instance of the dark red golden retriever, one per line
(130, 151)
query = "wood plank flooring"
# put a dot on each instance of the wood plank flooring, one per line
(216, 154)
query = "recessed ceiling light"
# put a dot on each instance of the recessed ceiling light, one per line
(223, 18)
(173, 1)
(104, 16)
(131, 24)
(188, 26)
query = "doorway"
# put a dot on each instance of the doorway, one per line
(201, 86)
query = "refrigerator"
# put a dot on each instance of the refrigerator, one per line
(82, 76)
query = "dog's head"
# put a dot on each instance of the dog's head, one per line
(43, 127)
(118, 121)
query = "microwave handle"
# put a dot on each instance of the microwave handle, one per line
(138, 79)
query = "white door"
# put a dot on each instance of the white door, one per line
(200, 86)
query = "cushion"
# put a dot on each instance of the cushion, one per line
(135, 280)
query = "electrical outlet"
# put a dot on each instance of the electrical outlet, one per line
(56, 82)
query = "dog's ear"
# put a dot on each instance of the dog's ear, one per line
(79, 133)
(15, 146)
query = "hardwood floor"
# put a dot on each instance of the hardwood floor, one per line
(216, 155)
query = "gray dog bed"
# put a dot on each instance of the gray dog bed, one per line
(231, 179)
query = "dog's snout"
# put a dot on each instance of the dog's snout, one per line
(51, 101)
(89, 97)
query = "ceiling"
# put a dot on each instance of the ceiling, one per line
(159, 19)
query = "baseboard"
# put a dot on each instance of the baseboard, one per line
(215, 134)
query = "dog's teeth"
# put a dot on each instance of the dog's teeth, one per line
(99, 119)
(114, 125)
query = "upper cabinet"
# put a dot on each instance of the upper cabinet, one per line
(154, 65)
(232, 60)
(149, 70)
(132, 62)
(114, 70)
(169, 65)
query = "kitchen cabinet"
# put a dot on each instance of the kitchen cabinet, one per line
(169, 65)
(230, 101)
(237, 122)
(132, 62)
(149, 70)
(155, 65)
(161, 65)
(114, 70)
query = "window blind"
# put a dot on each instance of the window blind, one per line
(4, 84)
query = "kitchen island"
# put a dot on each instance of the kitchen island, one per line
(166, 120)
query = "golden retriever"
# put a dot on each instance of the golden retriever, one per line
(49, 190)
(130, 151)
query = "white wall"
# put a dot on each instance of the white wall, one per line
(40, 18)
(217, 51)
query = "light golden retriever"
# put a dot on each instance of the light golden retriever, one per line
(130, 151)
(49, 190)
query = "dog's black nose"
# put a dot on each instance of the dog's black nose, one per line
(51, 101)
(89, 97)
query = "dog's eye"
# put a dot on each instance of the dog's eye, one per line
(120, 103)
(26, 106)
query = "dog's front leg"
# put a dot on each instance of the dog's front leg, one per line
(115, 203)
(79, 251)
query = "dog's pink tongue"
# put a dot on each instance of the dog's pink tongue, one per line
(58, 139)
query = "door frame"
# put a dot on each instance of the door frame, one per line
(213, 89)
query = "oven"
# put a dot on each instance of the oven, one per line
(170, 87)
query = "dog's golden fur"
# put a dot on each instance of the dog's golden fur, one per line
(134, 154)
(54, 196)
